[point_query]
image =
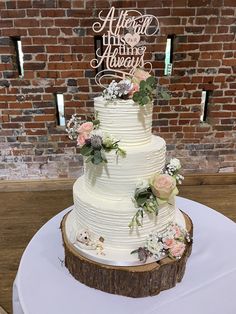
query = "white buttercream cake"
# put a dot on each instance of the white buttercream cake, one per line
(103, 196)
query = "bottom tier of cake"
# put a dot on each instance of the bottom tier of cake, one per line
(106, 254)
(134, 281)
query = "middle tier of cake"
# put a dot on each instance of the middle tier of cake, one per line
(119, 176)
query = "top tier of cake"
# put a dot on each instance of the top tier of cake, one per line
(125, 120)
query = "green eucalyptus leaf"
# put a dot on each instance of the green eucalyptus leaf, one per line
(141, 199)
(142, 85)
(97, 157)
(151, 80)
(96, 122)
(165, 95)
(136, 96)
(146, 100)
(86, 150)
(148, 88)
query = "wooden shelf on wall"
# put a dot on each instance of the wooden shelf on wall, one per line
(67, 184)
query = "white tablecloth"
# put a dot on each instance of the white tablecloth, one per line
(44, 286)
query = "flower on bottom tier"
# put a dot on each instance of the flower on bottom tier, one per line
(171, 242)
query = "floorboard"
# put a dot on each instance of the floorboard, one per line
(23, 213)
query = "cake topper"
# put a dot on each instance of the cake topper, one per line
(123, 49)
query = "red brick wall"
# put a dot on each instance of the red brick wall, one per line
(57, 43)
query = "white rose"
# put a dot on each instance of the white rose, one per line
(174, 162)
(154, 246)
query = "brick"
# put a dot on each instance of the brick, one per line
(209, 47)
(229, 3)
(210, 30)
(11, 4)
(188, 47)
(229, 62)
(12, 14)
(26, 23)
(199, 3)
(33, 49)
(36, 132)
(183, 12)
(221, 38)
(194, 29)
(44, 40)
(227, 12)
(32, 12)
(23, 4)
(34, 125)
(53, 13)
(209, 63)
(207, 11)
(53, 31)
(67, 22)
(159, 12)
(34, 66)
(227, 20)
(58, 49)
(217, 3)
(199, 38)
(37, 32)
(6, 23)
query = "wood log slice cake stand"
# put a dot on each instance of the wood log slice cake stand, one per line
(132, 281)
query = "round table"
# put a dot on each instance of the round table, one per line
(44, 285)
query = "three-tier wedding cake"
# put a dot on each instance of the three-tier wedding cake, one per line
(125, 229)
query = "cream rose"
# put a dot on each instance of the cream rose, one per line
(164, 186)
(141, 75)
(86, 127)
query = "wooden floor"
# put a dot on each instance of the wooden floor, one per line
(23, 213)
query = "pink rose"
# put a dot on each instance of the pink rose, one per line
(168, 243)
(164, 186)
(141, 75)
(134, 89)
(81, 139)
(177, 249)
(177, 231)
(86, 127)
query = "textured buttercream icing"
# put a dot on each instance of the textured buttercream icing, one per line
(125, 120)
(119, 176)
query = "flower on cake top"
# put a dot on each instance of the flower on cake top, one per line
(140, 75)
(140, 87)
(118, 90)
(92, 142)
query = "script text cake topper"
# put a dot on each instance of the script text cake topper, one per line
(123, 49)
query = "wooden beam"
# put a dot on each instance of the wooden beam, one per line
(67, 184)
(36, 185)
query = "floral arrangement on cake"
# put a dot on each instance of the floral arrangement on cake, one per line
(140, 87)
(171, 243)
(92, 142)
(156, 191)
